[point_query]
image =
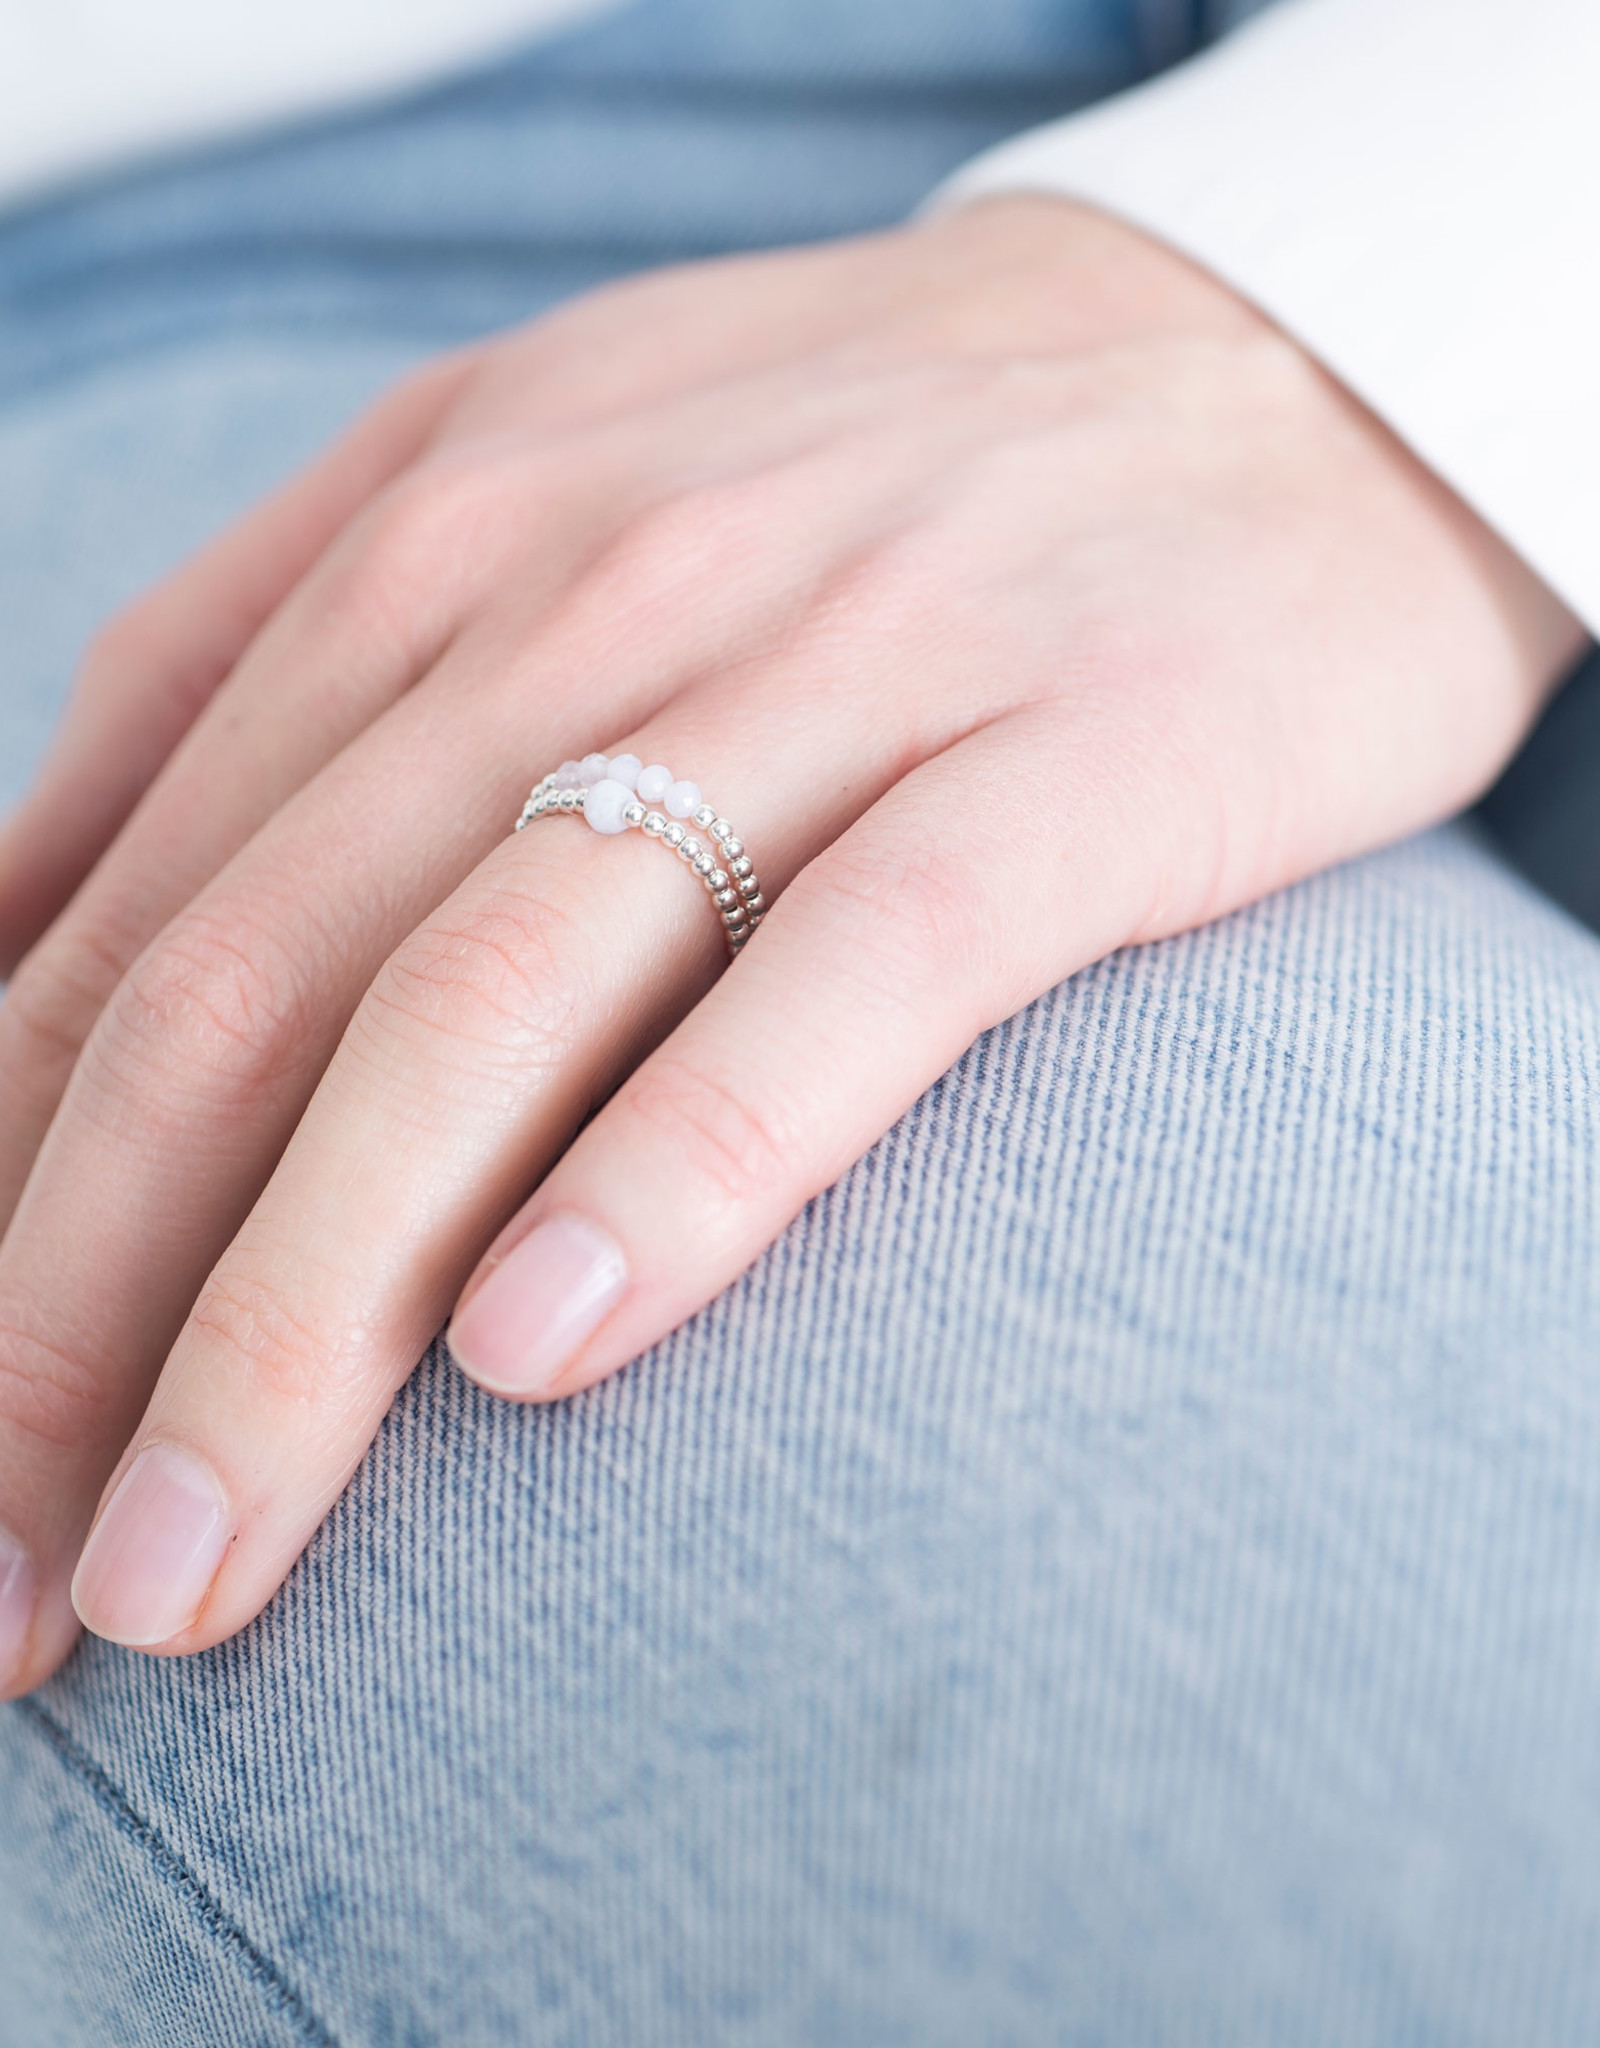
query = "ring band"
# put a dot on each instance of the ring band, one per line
(620, 795)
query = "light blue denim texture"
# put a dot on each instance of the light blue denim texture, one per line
(1123, 1569)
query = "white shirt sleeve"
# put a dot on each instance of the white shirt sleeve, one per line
(1411, 188)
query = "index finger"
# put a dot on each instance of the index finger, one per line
(474, 1058)
(150, 672)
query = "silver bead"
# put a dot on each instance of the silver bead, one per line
(732, 887)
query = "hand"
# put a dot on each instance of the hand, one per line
(1018, 592)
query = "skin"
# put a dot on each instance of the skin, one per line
(1017, 590)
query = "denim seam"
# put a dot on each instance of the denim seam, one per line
(170, 1867)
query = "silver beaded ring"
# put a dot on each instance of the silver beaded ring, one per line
(619, 795)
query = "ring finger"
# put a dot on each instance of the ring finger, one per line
(481, 1046)
(194, 1078)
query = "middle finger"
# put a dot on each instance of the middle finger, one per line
(193, 1080)
(517, 1007)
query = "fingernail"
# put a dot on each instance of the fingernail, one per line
(16, 1606)
(147, 1568)
(518, 1329)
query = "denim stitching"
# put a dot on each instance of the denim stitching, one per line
(170, 1866)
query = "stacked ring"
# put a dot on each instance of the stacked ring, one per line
(620, 795)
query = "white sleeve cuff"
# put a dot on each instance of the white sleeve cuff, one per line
(1411, 188)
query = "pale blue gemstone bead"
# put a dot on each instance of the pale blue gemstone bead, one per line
(625, 768)
(653, 783)
(592, 768)
(683, 799)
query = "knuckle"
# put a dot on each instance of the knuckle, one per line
(925, 906)
(48, 1393)
(881, 600)
(155, 644)
(494, 984)
(130, 642)
(444, 513)
(744, 1151)
(248, 1327)
(450, 530)
(402, 563)
(431, 387)
(412, 520)
(216, 999)
(50, 1007)
(678, 540)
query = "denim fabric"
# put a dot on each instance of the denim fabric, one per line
(172, 343)
(674, 128)
(1124, 1568)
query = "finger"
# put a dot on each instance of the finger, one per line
(887, 957)
(193, 1080)
(188, 1090)
(149, 672)
(376, 612)
(299, 695)
(481, 1047)
(614, 531)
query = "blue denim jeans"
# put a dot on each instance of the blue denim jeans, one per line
(1124, 1568)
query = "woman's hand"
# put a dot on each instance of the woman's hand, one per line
(1016, 590)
